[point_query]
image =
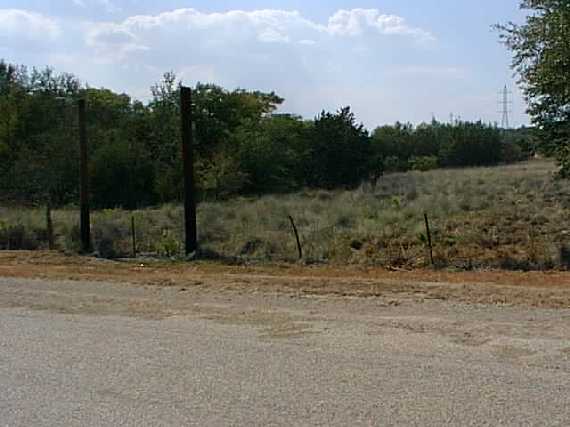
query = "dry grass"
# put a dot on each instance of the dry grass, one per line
(513, 217)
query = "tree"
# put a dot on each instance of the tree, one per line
(218, 115)
(241, 146)
(12, 95)
(393, 146)
(340, 151)
(116, 162)
(37, 141)
(272, 154)
(541, 57)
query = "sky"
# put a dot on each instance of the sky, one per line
(390, 60)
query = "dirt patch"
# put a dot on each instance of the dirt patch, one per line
(535, 289)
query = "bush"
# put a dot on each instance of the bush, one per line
(19, 237)
(110, 237)
(71, 237)
(392, 164)
(512, 152)
(113, 164)
(168, 245)
(423, 163)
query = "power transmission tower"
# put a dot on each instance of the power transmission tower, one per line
(505, 103)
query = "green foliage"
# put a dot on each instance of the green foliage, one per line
(512, 152)
(22, 230)
(393, 164)
(114, 163)
(437, 144)
(541, 56)
(18, 237)
(220, 176)
(339, 155)
(272, 154)
(423, 163)
(168, 245)
(241, 146)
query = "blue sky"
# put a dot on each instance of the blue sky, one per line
(390, 60)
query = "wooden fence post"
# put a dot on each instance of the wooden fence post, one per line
(190, 226)
(49, 228)
(428, 233)
(299, 247)
(134, 236)
(85, 224)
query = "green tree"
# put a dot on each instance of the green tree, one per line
(339, 152)
(41, 148)
(218, 115)
(393, 146)
(273, 154)
(113, 163)
(541, 57)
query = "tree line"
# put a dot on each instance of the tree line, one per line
(242, 146)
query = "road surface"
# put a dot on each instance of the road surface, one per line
(102, 354)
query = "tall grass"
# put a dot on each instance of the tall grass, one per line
(509, 216)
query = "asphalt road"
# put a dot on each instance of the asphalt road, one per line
(249, 360)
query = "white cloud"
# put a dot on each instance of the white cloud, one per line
(18, 26)
(241, 27)
(107, 4)
(382, 65)
(267, 26)
(261, 49)
(357, 22)
(112, 42)
(341, 60)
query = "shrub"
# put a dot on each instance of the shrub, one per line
(111, 234)
(18, 237)
(511, 152)
(392, 164)
(71, 237)
(168, 245)
(22, 229)
(423, 163)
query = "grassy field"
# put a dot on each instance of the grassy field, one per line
(511, 217)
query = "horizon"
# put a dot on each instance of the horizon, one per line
(400, 61)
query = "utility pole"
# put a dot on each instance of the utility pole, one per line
(190, 226)
(85, 224)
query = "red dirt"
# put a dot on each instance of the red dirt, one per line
(538, 289)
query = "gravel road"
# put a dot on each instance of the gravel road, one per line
(101, 354)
